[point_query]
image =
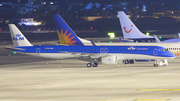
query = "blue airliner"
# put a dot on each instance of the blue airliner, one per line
(107, 54)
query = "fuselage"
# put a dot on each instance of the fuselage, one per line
(172, 47)
(125, 52)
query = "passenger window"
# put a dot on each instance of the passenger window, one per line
(87, 49)
(84, 49)
(66, 49)
(71, 49)
(74, 49)
(94, 50)
(56, 49)
(81, 49)
(110, 50)
(49, 49)
(120, 50)
(90, 49)
(59, 49)
(97, 49)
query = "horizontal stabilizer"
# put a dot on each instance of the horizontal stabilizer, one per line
(12, 48)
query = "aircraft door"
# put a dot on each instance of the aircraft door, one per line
(104, 50)
(38, 51)
(155, 51)
(101, 50)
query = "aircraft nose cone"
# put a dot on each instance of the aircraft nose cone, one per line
(172, 55)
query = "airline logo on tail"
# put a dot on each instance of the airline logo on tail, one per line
(64, 38)
(126, 30)
(18, 37)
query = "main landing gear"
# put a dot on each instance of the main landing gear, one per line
(128, 61)
(95, 64)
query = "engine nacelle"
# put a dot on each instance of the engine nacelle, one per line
(109, 60)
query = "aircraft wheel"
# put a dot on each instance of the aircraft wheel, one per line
(156, 65)
(126, 62)
(131, 61)
(95, 64)
(89, 65)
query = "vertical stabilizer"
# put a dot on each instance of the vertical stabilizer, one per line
(130, 31)
(17, 37)
(65, 33)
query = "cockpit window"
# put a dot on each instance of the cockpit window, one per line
(164, 50)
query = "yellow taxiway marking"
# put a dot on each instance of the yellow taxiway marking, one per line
(151, 99)
(159, 90)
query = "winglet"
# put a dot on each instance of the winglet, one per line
(120, 40)
(179, 35)
(157, 40)
(93, 44)
(65, 33)
(17, 37)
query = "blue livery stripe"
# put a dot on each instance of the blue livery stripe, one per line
(142, 50)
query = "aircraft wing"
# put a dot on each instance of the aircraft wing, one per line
(91, 55)
(157, 40)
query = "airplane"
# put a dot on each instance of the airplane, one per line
(107, 54)
(60, 24)
(172, 47)
(130, 31)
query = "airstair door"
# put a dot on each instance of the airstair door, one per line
(38, 51)
(155, 51)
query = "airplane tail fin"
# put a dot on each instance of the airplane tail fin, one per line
(130, 31)
(17, 37)
(65, 33)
